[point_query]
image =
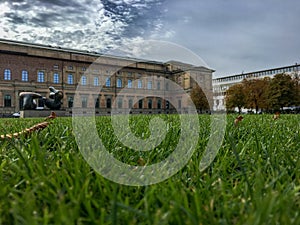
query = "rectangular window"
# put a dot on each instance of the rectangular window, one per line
(70, 101)
(129, 84)
(41, 76)
(107, 83)
(55, 78)
(120, 103)
(140, 84)
(84, 102)
(130, 103)
(119, 83)
(149, 85)
(140, 103)
(83, 80)
(97, 103)
(7, 101)
(70, 79)
(158, 85)
(96, 81)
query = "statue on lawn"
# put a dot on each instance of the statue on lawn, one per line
(53, 102)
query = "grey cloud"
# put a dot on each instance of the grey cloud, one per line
(140, 17)
(14, 18)
(76, 5)
(56, 10)
(120, 19)
(231, 36)
(236, 35)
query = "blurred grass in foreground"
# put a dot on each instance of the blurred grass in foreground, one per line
(255, 178)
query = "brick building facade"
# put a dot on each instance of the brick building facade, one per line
(121, 82)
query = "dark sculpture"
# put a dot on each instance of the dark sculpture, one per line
(29, 100)
(53, 102)
(55, 99)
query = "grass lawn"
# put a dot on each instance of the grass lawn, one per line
(255, 178)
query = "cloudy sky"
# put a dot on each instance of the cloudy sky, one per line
(231, 36)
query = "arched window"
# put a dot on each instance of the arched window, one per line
(129, 84)
(7, 101)
(55, 78)
(41, 76)
(24, 75)
(7, 74)
(83, 80)
(119, 83)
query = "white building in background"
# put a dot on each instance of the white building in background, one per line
(221, 85)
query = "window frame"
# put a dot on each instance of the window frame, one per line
(70, 79)
(140, 84)
(119, 83)
(56, 78)
(24, 75)
(129, 83)
(41, 76)
(7, 74)
(83, 80)
(96, 81)
(108, 82)
(7, 100)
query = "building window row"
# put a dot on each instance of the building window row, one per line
(295, 68)
(70, 79)
(25, 76)
(108, 103)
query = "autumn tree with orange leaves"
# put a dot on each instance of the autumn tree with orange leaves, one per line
(255, 93)
(235, 97)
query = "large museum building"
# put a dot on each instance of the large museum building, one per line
(116, 82)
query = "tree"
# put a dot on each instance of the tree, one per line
(199, 98)
(254, 91)
(297, 88)
(235, 97)
(282, 91)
